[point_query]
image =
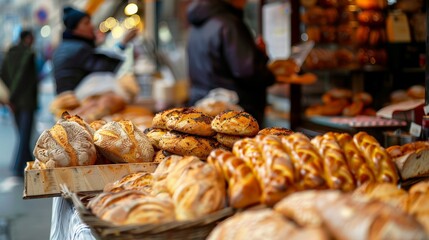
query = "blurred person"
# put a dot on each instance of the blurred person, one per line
(20, 76)
(77, 55)
(222, 53)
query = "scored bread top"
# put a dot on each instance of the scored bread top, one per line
(235, 123)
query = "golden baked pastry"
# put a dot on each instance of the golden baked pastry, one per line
(386, 192)
(190, 121)
(212, 107)
(160, 118)
(141, 181)
(154, 135)
(66, 144)
(278, 131)
(235, 123)
(122, 142)
(227, 140)
(186, 144)
(243, 187)
(160, 155)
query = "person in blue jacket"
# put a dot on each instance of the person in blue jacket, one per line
(76, 56)
(222, 53)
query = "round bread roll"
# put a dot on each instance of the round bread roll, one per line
(154, 135)
(416, 91)
(278, 131)
(190, 121)
(213, 107)
(185, 144)
(364, 97)
(238, 123)
(160, 118)
(66, 144)
(122, 142)
(227, 140)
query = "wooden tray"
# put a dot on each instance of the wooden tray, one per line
(197, 229)
(93, 178)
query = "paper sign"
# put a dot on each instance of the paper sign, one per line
(415, 130)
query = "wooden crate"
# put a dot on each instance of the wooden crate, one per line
(46, 182)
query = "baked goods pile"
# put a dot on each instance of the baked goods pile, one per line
(372, 211)
(74, 142)
(411, 159)
(181, 188)
(342, 102)
(412, 93)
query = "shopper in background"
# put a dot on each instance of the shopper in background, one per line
(19, 74)
(76, 56)
(223, 54)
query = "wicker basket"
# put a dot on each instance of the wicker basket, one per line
(196, 229)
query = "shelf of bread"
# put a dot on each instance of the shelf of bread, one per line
(204, 167)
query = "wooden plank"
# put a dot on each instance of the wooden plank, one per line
(46, 182)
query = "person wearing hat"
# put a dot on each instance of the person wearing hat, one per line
(76, 55)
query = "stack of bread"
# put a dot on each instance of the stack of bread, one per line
(187, 131)
(181, 188)
(74, 142)
(411, 159)
(342, 102)
(373, 211)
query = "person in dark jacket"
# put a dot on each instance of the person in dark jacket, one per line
(76, 55)
(19, 74)
(222, 53)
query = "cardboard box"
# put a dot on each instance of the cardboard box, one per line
(93, 178)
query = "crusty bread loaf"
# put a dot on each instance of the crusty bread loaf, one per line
(337, 173)
(75, 118)
(122, 142)
(140, 181)
(160, 118)
(243, 187)
(280, 179)
(386, 192)
(186, 144)
(307, 161)
(97, 124)
(278, 131)
(160, 155)
(377, 157)
(154, 135)
(235, 123)
(227, 140)
(63, 102)
(357, 164)
(105, 200)
(190, 121)
(411, 159)
(65, 144)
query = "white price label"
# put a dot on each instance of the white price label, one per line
(415, 130)
(426, 109)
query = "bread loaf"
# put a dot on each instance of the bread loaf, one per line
(105, 200)
(337, 173)
(278, 131)
(154, 135)
(65, 144)
(307, 161)
(357, 164)
(235, 123)
(190, 121)
(385, 192)
(377, 157)
(140, 181)
(160, 118)
(213, 107)
(186, 144)
(280, 179)
(411, 159)
(227, 140)
(122, 142)
(243, 187)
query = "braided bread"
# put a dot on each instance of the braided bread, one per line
(243, 187)
(377, 157)
(248, 150)
(355, 160)
(280, 180)
(307, 161)
(337, 172)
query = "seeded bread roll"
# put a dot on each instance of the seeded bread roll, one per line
(154, 135)
(160, 118)
(238, 123)
(186, 144)
(65, 144)
(122, 142)
(190, 121)
(227, 140)
(278, 131)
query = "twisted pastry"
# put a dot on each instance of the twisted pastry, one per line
(243, 187)
(337, 173)
(377, 157)
(306, 160)
(355, 160)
